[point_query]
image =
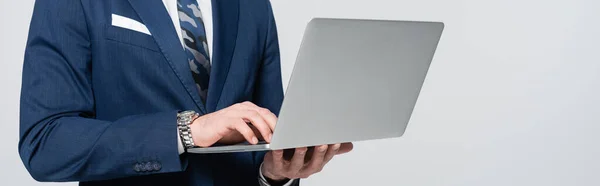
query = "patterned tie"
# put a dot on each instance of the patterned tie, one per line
(196, 47)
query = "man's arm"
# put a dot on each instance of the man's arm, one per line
(59, 138)
(269, 88)
(268, 92)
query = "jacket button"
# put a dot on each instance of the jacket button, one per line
(137, 167)
(147, 166)
(156, 166)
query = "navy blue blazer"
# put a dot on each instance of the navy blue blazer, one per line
(99, 103)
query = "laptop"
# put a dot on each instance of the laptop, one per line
(354, 80)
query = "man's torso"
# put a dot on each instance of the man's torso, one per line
(135, 73)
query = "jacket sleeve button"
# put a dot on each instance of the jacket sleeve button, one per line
(147, 166)
(156, 166)
(137, 167)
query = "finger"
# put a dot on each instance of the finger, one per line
(246, 131)
(257, 121)
(332, 151)
(256, 132)
(267, 115)
(345, 148)
(297, 161)
(278, 160)
(316, 163)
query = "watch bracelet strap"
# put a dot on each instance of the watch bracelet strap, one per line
(185, 133)
(186, 136)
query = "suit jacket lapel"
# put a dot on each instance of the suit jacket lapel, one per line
(225, 19)
(156, 18)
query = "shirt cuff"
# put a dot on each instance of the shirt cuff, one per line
(263, 181)
(180, 147)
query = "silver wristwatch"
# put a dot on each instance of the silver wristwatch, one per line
(184, 120)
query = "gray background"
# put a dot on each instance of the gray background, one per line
(511, 98)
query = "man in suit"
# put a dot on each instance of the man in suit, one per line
(115, 91)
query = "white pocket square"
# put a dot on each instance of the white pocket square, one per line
(128, 23)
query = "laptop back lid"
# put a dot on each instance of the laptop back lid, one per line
(355, 80)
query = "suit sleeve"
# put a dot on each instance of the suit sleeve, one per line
(269, 88)
(60, 139)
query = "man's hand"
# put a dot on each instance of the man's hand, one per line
(234, 124)
(276, 167)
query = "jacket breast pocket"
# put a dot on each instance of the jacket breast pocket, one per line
(130, 37)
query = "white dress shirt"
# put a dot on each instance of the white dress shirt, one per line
(206, 10)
